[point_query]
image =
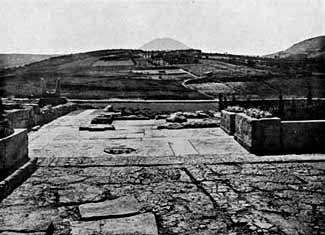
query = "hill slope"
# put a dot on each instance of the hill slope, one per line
(310, 48)
(97, 75)
(164, 44)
(15, 60)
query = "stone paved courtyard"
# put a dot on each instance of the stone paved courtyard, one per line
(191, 181)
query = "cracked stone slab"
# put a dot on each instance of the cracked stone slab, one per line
(142, 224)
(117, 207)
(27, 220)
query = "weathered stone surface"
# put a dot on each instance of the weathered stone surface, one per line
(220, 190)
(27, 219)
(270, 198)
(116, 207)
(142, 224)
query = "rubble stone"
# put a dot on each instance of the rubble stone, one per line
(176, 117)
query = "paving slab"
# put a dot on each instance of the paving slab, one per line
(184, 133)
(27, 219)
(182, 147)
(110, 208)
(218, 145)
(142, 224)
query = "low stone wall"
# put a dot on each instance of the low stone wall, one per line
(227, 122)
(49, 113)
(152, 106)
(13, 151)
(259, 136)
(17, 178)
(32, 115)
(303, 136)
(292, 109)
(273, 136)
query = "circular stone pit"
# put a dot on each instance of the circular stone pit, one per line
(119, 150)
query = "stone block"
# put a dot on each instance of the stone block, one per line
(13, 150)
(103, 119)
(227, 122)
(144, 224)
(259, 136)
(110, 208)
(27, 220)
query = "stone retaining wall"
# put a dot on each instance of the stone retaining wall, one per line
(260, 136)
(227, 122)
(13, 151)
(152, 106)
(32, 115)
(273, 136)
(303, 136)
(292, 109)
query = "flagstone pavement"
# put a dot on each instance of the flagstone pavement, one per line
(190, 181)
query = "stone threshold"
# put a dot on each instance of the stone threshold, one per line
(148, 161)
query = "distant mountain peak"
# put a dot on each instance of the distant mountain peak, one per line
(164, 44)
(309, 48)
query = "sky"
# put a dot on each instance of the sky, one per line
(252, 27)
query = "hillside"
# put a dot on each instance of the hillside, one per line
(164, 44)
(99, 75)
(15, 60)
(310, 48)
(188, 74)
